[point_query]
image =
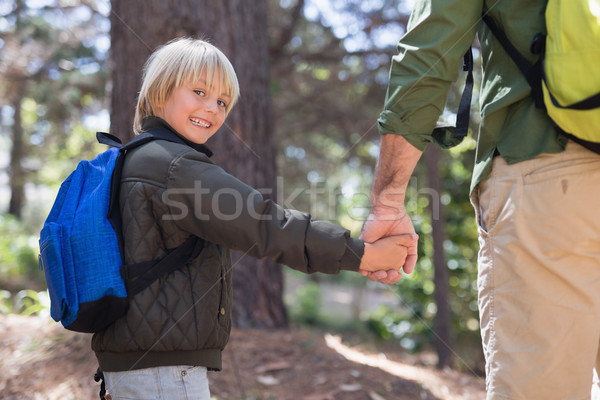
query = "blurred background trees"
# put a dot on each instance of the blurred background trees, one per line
(313, 76)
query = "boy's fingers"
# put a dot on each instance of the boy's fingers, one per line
(378, 275)
(375, 276)
(387, 277)
(392, 276)
(372, 275)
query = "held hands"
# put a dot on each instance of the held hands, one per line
(388, 223)
(388, 253)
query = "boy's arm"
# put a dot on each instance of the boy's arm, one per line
(206, 201)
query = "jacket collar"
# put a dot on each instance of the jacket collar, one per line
(156, 122)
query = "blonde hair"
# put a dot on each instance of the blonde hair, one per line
(178, 63)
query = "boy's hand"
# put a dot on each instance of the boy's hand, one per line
(388, 253)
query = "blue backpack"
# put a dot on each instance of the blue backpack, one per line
(81, 241)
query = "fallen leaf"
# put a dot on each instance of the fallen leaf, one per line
(351, 387)
(319, 396)
(375, 396)
(274, 366)
(267, 380)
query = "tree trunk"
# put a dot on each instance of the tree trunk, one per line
(440, 280)
(244, 145)
(17, 173)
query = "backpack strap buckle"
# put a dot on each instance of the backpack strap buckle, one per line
(538, 45)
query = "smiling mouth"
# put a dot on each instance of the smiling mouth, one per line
(200, 123)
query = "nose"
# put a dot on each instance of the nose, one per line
(211, 105)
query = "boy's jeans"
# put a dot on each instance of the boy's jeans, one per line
(160, 383)
(539, 275)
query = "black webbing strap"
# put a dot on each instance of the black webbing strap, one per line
(585, 104)
(108, 139)
(114, 213)
(139, 276)
(531, 72)
(534, 73)
(464, 108)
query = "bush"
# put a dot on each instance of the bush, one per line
(308, 308)
(25, 302)
(389, 324)
(18, 254)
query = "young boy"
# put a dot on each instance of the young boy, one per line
(177, 328)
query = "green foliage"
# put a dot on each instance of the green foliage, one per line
(409, 330)
(25, 302)
(5, 302)
(18, 254)
(308, 306)
(79, 143)
(19, 270)
(28, 302)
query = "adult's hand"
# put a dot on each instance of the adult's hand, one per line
(384, 223)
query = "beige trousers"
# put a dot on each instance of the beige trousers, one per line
(539, 275)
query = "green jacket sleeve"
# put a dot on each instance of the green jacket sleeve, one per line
(429, 57)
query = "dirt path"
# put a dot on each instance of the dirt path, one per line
(39, 360)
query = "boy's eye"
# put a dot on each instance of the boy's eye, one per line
(199, 92)
(221, 103)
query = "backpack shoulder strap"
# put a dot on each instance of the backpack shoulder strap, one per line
(531, 72)
(108, 139)
(521, 62)
(153, 134)
(114, 214)
(139, 276)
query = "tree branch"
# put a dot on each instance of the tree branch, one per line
(288, 31)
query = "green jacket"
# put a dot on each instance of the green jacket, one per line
(429, 56)
(170, 191)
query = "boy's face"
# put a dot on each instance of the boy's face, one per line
(195, 111)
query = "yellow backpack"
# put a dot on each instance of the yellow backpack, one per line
(571, 83)
(566, 79)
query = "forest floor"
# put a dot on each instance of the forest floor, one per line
(40, 360)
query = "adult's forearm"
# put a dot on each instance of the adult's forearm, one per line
(397, 161)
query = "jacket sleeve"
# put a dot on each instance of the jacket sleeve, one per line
(206, 201)
(429, 56)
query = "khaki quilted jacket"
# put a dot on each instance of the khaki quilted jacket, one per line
(170, 191)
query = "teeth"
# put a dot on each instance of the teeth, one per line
(200, 123)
